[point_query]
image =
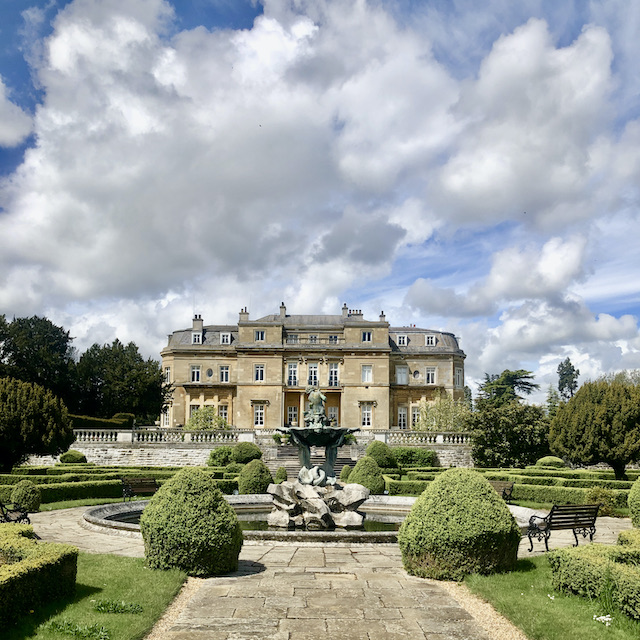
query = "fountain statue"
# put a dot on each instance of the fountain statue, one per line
(316, 500)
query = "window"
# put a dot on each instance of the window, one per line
(292, 338)
(225, 338)
(332, 414)
(224, 373)
(313, 375)
(165, 419)
(259, 335)
(196, 338)
(459, 378)
(223, 412)
(333, 374)
(258, 415)
(292, 414)
(366, 336)
(402, 341)
(430, 375)
(366, 414)
(167, 375)
(402, 417)
(430, 341)
(258, 372)
(192, 409)
(367, 373)
(195, 373)
(402, 374)
(292, 374)
(415, 416)
(313, 339)
(333, 339)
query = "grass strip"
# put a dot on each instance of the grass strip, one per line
(106, 578)
(526, 598)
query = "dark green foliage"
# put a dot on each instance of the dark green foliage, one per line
(345, 473)
(368, 474)
(281, 475)
(405, 487)
(567, 379)
(89, 422)
(127, 419)
(629, 537)
(511, 435)
(220, 456)
(27, 495)
(562, 495)
(459, 525)
(551, 461)
(255, 477)
(245, 452)
(634, 503)
(233, 468)
(605, 498)
(73, 457)
(32, 422)
(37, 573)
(382, 454)
(601, 423)
(113, 606)
(591, 570)
(414, 456)
(189, 525)
(499, 390)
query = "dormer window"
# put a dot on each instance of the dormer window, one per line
(366, 336)
(196, 338)
(225, 338)
(259, 335)
(430, 341)
(402, 341)
(313, 339)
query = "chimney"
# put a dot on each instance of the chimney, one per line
(345, 310)
(382, 318)
(283, 310)
(197, 323)
(244, 315)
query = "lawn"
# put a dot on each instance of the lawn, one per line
(110, 583)
(525, 597)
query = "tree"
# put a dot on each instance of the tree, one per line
(442, 414)
(116, 379)
(38, 351)
(567, 379)
(510, 435)
(601, 423)
(32, 422)
(498, 390)
(553, 401)
(206, 419)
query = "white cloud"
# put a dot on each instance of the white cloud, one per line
(15, 124)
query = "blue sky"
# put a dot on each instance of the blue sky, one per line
(466, 166)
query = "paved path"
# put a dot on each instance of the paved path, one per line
(298, 592)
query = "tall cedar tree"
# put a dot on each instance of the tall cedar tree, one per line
(32, 422)
(601, 423)
(499, 390)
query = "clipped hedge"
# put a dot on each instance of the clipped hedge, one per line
(220, 456)
(35, 574)
(633, 502)
(563, 495)
(630, 537)
(281, 475)
(27, 495)
(345, 472)
(459, 525)
(89, 422)
(404, 487)
(255, 477)
(382, 454)
(592, 570)
(73, 457)
(551, 461)
(414, 456)
(245, 452)
(368, 474)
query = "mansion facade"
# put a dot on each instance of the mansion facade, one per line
(255, 373)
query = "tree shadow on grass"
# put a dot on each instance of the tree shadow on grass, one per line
(524, 566)
(27, 625)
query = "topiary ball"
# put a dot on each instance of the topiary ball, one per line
(190, 526)
(368, 474)
(344, 474)
(73, 457)
(220, 456)
(382, 454)
(27, 495)
(233, 467)
(634, 503)
(459, 525)
(255, 477)
(551, 461)
(245, 452)
(281, 475)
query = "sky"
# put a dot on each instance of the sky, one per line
(462, 166)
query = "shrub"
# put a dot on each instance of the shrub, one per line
(368, 474)
(459, 525)
(551, 461)
(190, 526)
(233, 468)
(634, 503)
(630, 537)
(382, 454)
(281, 475)
(414, 456)
(255, 477)
(605, 498)
(344, 474)
(405, 487)
(27, 495)
(73, 457)
(220, 456)
(245, 452)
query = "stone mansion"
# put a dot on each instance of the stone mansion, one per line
(255, 373)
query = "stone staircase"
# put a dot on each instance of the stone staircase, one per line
(287, 457)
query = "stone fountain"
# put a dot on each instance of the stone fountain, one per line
(316, 500)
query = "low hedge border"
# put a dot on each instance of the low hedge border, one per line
(563, 495)
(404, 487)
(36, 573)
